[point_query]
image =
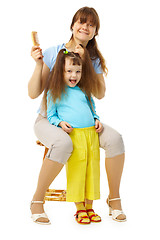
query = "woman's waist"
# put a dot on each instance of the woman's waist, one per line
(39, 117)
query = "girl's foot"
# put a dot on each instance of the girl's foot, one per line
(82, 217)
(116, 205)
(93, 216)
(37, 208)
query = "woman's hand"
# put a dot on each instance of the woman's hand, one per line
(66, 127)
(80, 50)
(36, 53)
(98, 126)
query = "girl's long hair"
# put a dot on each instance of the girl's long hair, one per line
(90, 14)
(56, 85)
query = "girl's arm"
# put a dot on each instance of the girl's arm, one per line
(52, 114)
(40, 75)
(53, 118)
(94, 107)
(98, 124)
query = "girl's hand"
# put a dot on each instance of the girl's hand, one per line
(36, 53)
(98, 126)
(66, 127)
(79, 50)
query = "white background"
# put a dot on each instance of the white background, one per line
(129, 40)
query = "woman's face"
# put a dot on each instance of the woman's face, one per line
(83, 31)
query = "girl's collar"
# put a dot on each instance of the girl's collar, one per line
(72, 87)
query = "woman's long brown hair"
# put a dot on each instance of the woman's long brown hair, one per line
(90, 14)
(56, 84)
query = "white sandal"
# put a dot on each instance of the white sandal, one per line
(39, 215)
(115, 212)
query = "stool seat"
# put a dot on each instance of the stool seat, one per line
(55, 195)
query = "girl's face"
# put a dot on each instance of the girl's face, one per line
(83, 31)
(72, 73)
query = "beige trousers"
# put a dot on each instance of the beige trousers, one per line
(60, 144)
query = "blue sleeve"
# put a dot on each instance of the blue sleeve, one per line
(49, 56)
(97, 66)
(52, 115)
(94, 108)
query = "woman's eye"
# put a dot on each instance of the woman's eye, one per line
(91, 25)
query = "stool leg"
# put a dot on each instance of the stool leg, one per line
(45, 152)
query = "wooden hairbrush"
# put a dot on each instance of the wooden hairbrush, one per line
(35, 40)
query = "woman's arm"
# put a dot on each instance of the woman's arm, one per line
(40, 75)
(37, 82)
(85, 57)
(101, 91)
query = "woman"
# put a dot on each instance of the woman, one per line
(84, 27)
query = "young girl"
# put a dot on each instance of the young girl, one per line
(71, 107)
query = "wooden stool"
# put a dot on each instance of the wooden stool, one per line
(52, 194)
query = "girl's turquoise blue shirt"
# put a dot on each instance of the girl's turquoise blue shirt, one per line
(74, 108)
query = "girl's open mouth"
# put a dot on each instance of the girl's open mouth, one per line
(73, 81)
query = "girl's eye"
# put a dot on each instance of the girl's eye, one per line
(78, 71)
(69, 71)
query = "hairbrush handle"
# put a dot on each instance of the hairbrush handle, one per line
(35, 40)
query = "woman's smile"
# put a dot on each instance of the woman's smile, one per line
(83, 32)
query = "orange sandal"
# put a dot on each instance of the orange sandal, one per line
(82, 218)
(92, 215)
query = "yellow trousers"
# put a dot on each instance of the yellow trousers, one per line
(83, 166)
